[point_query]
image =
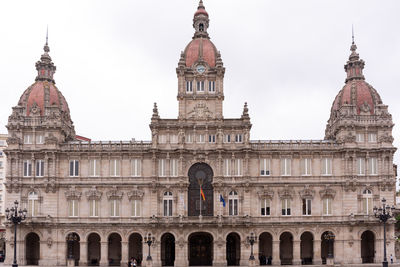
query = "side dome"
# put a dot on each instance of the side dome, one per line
(200, 49)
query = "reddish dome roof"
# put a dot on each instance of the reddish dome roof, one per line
(200, 49)
(201, 11)
(42, 94)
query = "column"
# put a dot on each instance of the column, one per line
(219, 253)
(317, 252)
(104, 253)
(83, 251)
(276, 253)
(296, 252)
(181, 258)
(124, 253)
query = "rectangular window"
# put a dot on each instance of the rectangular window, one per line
(238, 167)
(227, 167)
(372, 137)
(265, 167)
(233, 207)
(359, 137)
(326, 166)
(167, 207)
(162, 139)
(73, 168)
(227, 138)
(305, 166)
(94, 167)
(189, 87)
(265, 207)
(115, 167)
(136, 167)
(28, 139)
(94, 208)
(189, 138)
(33, 207)
(173, 139)
(114, 208)
(200, 86)
(238, 138)
(360, 166)
(367, 205)
(27, 168)
(201, 138)
(39, 168)
(39, 139)
(211, 86)
(73, 208)
(136, 208)
(161, 167)
(327, 206)
(211, 138)
(174, 167)
(373, 166)
(306, 206)
(286, 166)
(285, 207)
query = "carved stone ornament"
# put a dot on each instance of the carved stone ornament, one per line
(386, 138)
(35, 109)
(114, 193)
(135, 194)
(13, 140)
(348, 138)
(351, 184)
(265, 194)
(327, 192)
(200, 111)
(50, 186)
(387, 184)
(51, 139)
(365, 109)
(72, 193)
(49, 242)
(93, 193)
(307, 192)
(286, 193)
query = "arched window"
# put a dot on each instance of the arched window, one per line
(33, 203)
(201, 27)
(167, 203)
(233, 203)
(367, 201)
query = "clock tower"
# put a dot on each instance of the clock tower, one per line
(200, 74)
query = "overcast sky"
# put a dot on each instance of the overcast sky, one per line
(115, 58)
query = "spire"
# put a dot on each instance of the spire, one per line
(201, 21)
(245, 114)
(155, 112)
(354, 65)
(45, 66)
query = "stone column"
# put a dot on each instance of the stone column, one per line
(276, 253)
(296, 252)
(124, 253)
(181, 254)
(317, 252)
(219, 253)
(104, 253)
(83, 258)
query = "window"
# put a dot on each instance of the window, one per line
(136, 208)
(359, 137)
(73, 208)
(327, 206)
(238, 167)
(373, 166)
(285, 207)
(305, 166)
(285, 166)
(39, 139)
(238, 138)
(189, 87)
(94, 208)
(94, 167)
(173, 139)
(211, 86)
(233, 203)
(73, 168)
(211, 138)
(162, 139)
(161, 167)
(326, 166)
(200, 86)
(27, 168)
(33, 199)
(227, 138)
(167, 204)
(227, 167)
(115, 167)
(372, 137)
(136, 167)
(114, 212)
(265, 167)
(39, 168)
(265, 207)
(189, 138)
(306, 206)
(360, 166)
(367, 202)
(201, 138)
(174, 167)
(28, 139)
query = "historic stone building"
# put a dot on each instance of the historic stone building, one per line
(301, 199)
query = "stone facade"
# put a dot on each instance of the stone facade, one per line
(106, 197)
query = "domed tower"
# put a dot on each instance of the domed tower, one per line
(42, 115)
(358, 114)
(200, 73)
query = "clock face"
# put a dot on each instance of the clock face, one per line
(200, 68)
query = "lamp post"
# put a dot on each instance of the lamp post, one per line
(251, 239)
(149, 240)
(384, 213)
(330, 237)
(16, 217)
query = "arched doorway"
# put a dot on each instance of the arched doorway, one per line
(286, 248)
(114, 250)
(200, 249)
(265, 248)
(167, 249)
(32, 249)
(327, 246)
(306, 248)
(233, 249)
(367, 247)
(73, 247)
(94, 249)
(200, 173)
(136, 248)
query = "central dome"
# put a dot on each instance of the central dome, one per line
(200, 49)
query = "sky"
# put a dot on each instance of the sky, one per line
(116, 58)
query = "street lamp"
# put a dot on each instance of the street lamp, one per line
(384, 213)
(149, 240)
(330, 237)
(251, 239)
(15, 216)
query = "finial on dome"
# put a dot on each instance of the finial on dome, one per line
(45, 66)
(352, 33)
(354, 65)
(201, 21)
(46, 47)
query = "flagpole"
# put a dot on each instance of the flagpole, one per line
(200, 200)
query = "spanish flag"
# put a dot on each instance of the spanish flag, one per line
(202, 194)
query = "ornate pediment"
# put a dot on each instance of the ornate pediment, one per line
(35, 110)
(51, 139)
(307, 192)
(266, 193)
(327, 192)
(387, 184)
(14, 139)
(114, 193)
(386, 138)
(93, 193)
(72, 193)
(200, 111)
(135, 194)
(286, 192)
